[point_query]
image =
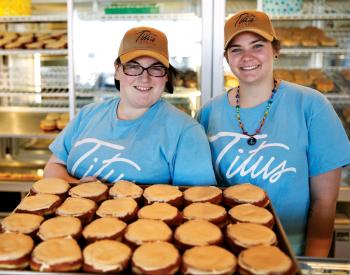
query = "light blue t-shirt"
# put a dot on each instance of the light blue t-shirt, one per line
(302, 137)
(164, 145)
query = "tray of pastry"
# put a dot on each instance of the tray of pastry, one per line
(144, 229)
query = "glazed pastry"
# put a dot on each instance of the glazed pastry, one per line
(60, 227)
(156, 258)
(124, 209)
(24, 223)
(54, 186)
(163, 193)
(95, 191)
(161, 211)
(106, 256)
(40, 204)
(15, 250)
(245, 193)
(202, 194)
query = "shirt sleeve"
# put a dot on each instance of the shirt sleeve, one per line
(193, 163)
(329, 146)
(63, 143)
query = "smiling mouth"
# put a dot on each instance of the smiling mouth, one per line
(249, 68)
(143, 89)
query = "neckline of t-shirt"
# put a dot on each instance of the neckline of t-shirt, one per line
(133, 121)
(261, 105)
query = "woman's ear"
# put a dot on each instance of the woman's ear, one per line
(117, 71)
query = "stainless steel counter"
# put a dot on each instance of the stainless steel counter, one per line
(23, 125)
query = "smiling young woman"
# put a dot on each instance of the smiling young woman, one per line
(280, 136)
(137, 136)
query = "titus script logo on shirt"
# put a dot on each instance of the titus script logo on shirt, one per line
(270, 170)
(89, 155)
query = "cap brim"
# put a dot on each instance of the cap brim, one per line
(137, 53)
(266, 35)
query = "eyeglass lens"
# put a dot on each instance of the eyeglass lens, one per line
(136, 69)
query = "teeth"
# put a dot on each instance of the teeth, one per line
(143, 88)
(248, 68)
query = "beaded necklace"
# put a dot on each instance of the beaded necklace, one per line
(252, 140)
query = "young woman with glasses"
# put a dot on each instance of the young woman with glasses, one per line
(137, 136)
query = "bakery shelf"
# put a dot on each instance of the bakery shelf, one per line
(34, 18)
(30, 52)
(344, 194)
(310, 265)
(14, 93)
(324, 50)
(158, 16)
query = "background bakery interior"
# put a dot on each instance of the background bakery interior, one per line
(55, 57)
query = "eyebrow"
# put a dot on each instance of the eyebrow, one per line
(253, 42)
(154, 64)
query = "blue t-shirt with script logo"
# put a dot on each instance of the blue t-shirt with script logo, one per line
(302, 137)
(164, 145)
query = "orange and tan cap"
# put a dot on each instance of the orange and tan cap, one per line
(249, 21)
(144, 41)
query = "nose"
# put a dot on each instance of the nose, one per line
(145, 76)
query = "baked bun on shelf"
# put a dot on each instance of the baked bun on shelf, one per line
(60, 227)
(56, 255)
(240, 236)
(107, 228)
(124, 209)
(24, 223)
(210, 259)
(106, 256)
(15, 250)
(197, 233)
(83, 209)
(206, 211)
(126, 189)
(211, 194)
(161, 211)
(163, 193)
(264, 260)
(250, 213)
(40, 204)
(95, 191)
(245, 193)
(156, 258)
(146, 230)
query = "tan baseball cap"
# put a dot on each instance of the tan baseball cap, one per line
(249, 21)
(144, 41)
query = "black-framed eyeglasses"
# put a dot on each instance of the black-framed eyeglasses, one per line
(136, 69)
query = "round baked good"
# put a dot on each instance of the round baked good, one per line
(60, 227)
(81, 208)
(328, 42)
(163, 193)
(243, 235)
(56, 255)
(24, 223)
(202, 194)
(264, 260)
(48, 124)
(54, 186)
(156, 258)
(250, 213)
(106, 256)
(161, 211)
(206, 211)
(146, 230)
(324, 85)
(107, 228)
(245, 193)
(40, 204)
(15, 250)
(309, 42)
(95, 191)
(290, 42)
(53, 116)
(209, 259)
(126, 189)
(197, 233)
(124, 209)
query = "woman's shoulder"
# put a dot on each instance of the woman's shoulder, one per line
(95, 107)
(304, 93)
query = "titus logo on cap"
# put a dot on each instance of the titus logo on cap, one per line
(145, 36)
(244, 19)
